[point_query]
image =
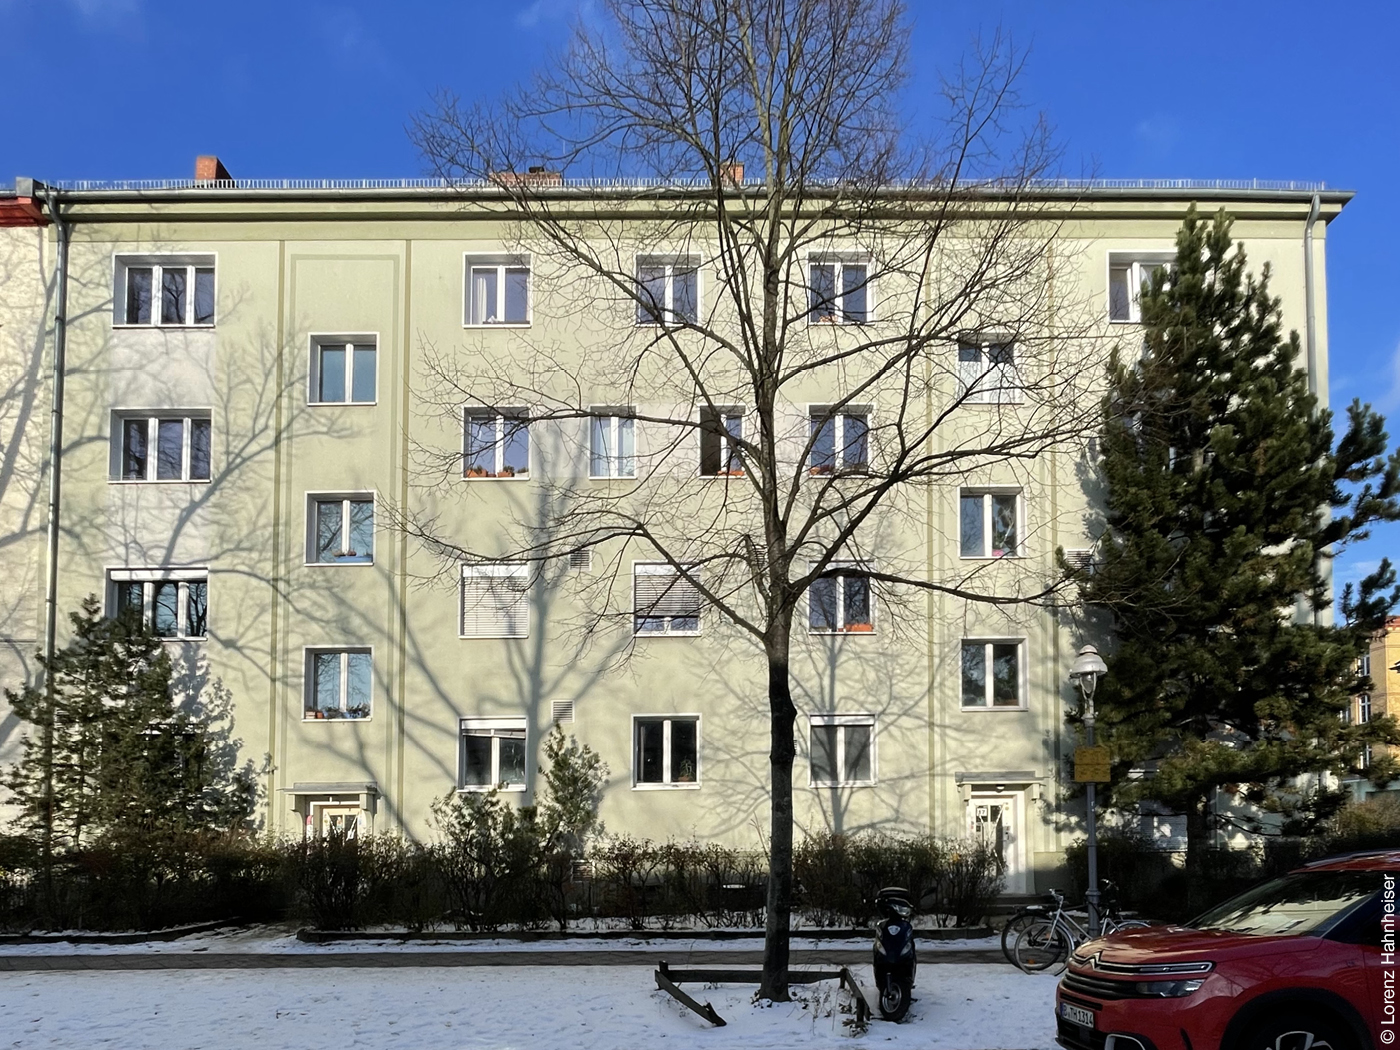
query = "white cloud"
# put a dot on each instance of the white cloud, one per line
(552, 12)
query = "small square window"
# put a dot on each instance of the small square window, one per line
(493, 754)
(838, 290)
(344, 371)
(668, 290)
(666, 751)
(721, 431)
(497, 444)
(988, 372)
(842, 750)
(498, 290)
(173, 605)
(164, 446)
(841, 602)
(339, 683)
(164, 290)
(991, 674)
(496, 600)
(988, 524)
(664, 601)
(612, 445)
(340, 529)
(1127, 275)
(840, 441)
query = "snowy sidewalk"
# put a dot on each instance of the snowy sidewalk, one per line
(957, 1008)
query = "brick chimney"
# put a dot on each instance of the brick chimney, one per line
(731, 174)
(536, 176)
(210, 169)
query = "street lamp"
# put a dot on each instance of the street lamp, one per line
(1088, 667)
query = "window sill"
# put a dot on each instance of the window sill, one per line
(841, 783)
(163, 327)
(187, 638)
(991, 557)
(342, 404)
(496, 477)
(611, 477)
(338, 564)
(667, 787)
(311, 719)
(841, 632)
(1001, 708)
(489, 637)
(725, 475)
(158, 481)
(499, 324)
(480, 789)
(1124, 320)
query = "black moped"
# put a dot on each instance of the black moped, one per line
(895, 959)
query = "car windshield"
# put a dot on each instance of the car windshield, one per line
(1297, 904)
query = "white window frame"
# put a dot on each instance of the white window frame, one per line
(1363, 708)
(309, 654)
(986, 493)
(318, 812)
(842, 628)
(313, 499)
(724, 413)
(148, 578)
(670, 262)
(666, 783)
(500, 262)
(649, 568)
(840, 260)
(841, 721)
(153, 418)
(1140, 265)
(499, 416)
(498, 570)
(613, 416)
(124, 262)
(993, 384)
(348, 343)
(1022, 674)
(490, 726)
(1363, 665)
(839, 417)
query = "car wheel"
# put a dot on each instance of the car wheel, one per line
(1297, 1031)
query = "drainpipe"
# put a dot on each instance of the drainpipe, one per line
(60, 334)
(1308, 294)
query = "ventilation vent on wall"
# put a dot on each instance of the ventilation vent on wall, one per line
(1081, 559)
(581, 560)
(563, 711)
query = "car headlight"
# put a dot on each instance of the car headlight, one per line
(1169, 989)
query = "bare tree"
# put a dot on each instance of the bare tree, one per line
(892, 284)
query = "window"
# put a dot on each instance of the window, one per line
(721, 429)
(664, 602)
(612, 446)
(841, 602)
(342, 529)
(173, 605)
(497, 444)
(840, 441)
(1363, 707)
(344, 372)
(165, 290)
(1127, 274)
(843, 750)
(988, 524)
(339, 683)
(1363, 666)
(668, 290)
(498, 290)
(987, 372)
(493, 754)
(496, 601)
(170, 446)
(999, 688)
(838, 291)
(666, 752)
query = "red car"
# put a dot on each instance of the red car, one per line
(1303, 962)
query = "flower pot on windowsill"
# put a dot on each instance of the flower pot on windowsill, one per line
(477, 472)
(859, 628)
(506, 472)
(820, 471)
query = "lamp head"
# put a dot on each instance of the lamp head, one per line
(1088, 667)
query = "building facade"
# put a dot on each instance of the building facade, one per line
(253, 403)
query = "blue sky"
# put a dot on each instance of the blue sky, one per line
(1279, 89)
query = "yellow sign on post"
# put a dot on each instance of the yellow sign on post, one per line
(1091, 765)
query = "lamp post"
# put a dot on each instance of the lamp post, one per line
(1088, 667)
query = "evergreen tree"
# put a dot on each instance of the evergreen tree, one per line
(1226, 499)
(109, 751)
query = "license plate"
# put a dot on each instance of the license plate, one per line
(1077, 1014)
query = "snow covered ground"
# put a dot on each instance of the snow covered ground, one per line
(959, 1007)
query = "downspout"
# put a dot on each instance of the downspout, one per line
(60, 338)
(1311, 315)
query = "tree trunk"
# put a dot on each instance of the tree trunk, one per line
(783, 717)
(1197, 845)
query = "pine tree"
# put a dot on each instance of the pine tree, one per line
(1225, 501)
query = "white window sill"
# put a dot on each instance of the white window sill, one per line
(365, 718)
(666, 787)
(496, 477)
(499, 324)
(1001, 708)
(991, 557)
(612, 477)
(841, 783)
(1124, 320)
(489, 637)
(341, 404)
(730, 476)
(821, 633)
(482, 789)
(667, 634)
(158, 481)
(187, 638)
(339, 564)
(164, 327)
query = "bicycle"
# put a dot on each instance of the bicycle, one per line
(1031, 914)
(1048, 942)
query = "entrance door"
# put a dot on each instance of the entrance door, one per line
(327, 818)
(996, 819)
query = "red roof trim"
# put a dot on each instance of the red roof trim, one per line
(22, 211)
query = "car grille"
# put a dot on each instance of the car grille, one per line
(1101, 987)
(1076, 1037)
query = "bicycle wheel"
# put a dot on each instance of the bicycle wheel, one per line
(1129, 924)
(1041, 946)
(1013, 928)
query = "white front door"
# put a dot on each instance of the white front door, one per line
(998, 821)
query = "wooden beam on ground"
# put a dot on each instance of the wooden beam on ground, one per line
(705, 1010)
(863, 1009)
